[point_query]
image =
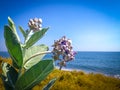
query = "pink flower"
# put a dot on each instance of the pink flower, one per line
(62, 50)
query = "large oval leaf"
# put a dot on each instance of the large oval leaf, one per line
(34, 75)
(32, 51)
(35, 37)
(13, 46)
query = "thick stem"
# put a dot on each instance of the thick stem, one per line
(37, 54)
(19, 72)
(60, 67)
(27, 37)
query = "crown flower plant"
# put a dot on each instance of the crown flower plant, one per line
(63, 51)
(28, 66)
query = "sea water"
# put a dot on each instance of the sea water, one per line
(107, 63)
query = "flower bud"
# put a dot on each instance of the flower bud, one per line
(35, 24)
(35, 19)
(40, 20)
(31, 20)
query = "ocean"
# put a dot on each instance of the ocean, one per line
(107, 63)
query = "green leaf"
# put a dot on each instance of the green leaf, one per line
(34, 75)
(22, 31)
(35, 37)
(13, 46)
(9, 75)
(50, 84)
(12, 26)
(32, 51)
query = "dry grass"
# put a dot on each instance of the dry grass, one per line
(75, 80)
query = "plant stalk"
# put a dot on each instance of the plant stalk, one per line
(60, 67)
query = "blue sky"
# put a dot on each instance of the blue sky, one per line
(93, 25)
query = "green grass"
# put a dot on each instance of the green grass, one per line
(75, 80)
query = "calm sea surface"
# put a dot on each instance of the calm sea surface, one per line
(98, 62)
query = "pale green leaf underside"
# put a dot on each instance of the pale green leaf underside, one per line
(32, 51)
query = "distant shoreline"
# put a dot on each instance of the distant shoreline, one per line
(90, 62)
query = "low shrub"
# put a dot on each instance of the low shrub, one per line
(75, 80)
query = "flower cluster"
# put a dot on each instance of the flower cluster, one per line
(63, 51)
(35, 24)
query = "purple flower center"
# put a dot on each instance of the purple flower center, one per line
(66, 51)
(63, 42)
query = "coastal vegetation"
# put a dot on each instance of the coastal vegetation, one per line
(74, 80)
(28, 67)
